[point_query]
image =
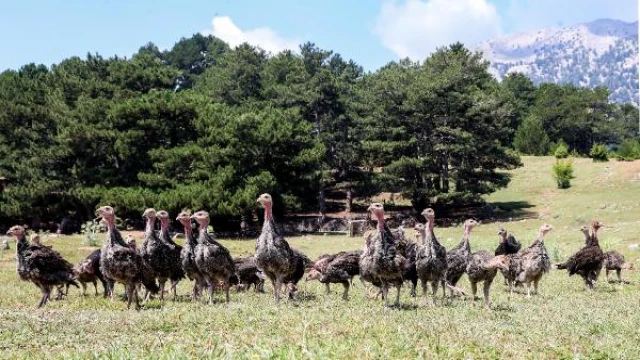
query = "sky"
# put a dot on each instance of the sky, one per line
(371, 32)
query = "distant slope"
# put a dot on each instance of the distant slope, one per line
(600, 53)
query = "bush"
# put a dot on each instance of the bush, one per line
(563, 172)
(599, 153)
(562, 151)
(629, 150)
(90, 231)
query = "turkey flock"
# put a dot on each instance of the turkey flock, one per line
(387, 260)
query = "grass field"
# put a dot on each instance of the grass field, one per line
(565, 321)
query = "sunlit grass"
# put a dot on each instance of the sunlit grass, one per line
(563, 322)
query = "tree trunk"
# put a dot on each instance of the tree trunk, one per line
(445, 174)
(244, 223)
(322, 206)
(349, 200)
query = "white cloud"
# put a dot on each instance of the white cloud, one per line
(415, 28)
(224, 28)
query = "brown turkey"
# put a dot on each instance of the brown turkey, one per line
(41, 265)
(508, 244)
(273, 254)
(121, 263)
(338, 268)
(534, 261)
(300, 263)
(155, 252)
(172, 261)
(88, 270)
(483, 267)
(213, 259)
(613, 260)
(380, 260)
(458, 257)
(188, 255)
(407, 248)
(588, 261)
(247, 274)
(431, 257)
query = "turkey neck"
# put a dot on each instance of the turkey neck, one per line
(381, 223)
(268, 216)
(202, 232)
(148, 230)
(188, 234)
(21, 244)
(113, 235)
(465, 238)
(540, 238)
(164, 227)
(593, 239)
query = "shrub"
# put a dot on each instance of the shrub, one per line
(629, 150)
(563, 172)
(562, 151)
(90, 231)
(599, 153)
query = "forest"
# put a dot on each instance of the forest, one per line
(205, 126)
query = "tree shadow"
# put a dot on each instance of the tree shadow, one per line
(503, 210)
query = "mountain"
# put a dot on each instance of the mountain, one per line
(599, 53)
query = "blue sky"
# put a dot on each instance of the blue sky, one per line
(372, 32)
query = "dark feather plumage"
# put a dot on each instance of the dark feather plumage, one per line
(41, 265)
(458, 257)
(588, 261)
(483, 267)
(273, 254)
(212, 258)
(121, 263)
(338, 268)
(88, 270)
(431, 257)
(380, 260)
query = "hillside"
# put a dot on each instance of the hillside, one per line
(563, 322)
(599, 53)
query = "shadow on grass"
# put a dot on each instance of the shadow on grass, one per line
(514, 210)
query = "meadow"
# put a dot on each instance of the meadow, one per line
(564, 321)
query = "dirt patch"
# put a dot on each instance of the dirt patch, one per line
(630, 170)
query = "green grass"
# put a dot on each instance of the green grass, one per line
(563, 322)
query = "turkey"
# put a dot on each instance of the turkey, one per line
(273, 254)
(534, 261)
(121, 263)
(41, 265)
(247, 274)
(588, 261)
(431, 257)
(212, 259)
(458, 257)
(380, 260)
(407, 248)
(613, 260)
(483, 267)
(300, 263)
(188, 256)
(508, 244)
(172, 260)
(155, 252)
(339, 268)
(88, 270)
